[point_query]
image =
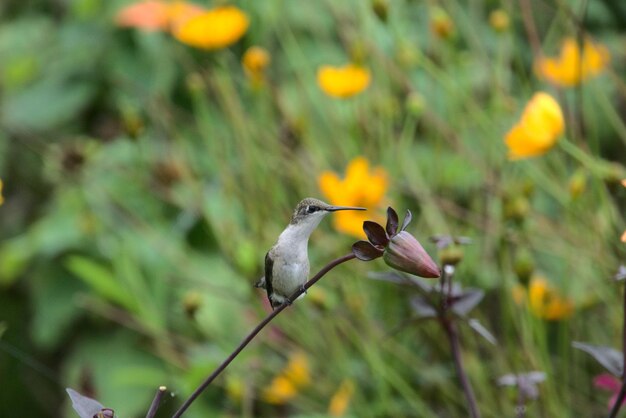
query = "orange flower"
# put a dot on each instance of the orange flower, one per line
(343, 82)
(255, 59)
(216, 28)
(539, 128)
(360, 187)
(149, 15)
(1, 197)
(254, 62)
(441, 25)
(153, 15)
(573, 66)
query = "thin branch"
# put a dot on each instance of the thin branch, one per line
(258, 329)
(156, 402)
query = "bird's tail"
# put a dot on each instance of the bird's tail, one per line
(260, 283)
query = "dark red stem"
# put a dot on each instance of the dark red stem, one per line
(453, 336)
(622, 392)
(448, 324)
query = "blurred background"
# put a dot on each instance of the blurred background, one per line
(151, 153)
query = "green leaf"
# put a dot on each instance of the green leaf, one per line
(45, 105)
(53, 291)
(14, 257)
(100, 279)
(108, 359)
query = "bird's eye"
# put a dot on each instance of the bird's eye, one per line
(311, 209)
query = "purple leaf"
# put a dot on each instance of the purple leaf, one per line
(392, 222)
(407, 220)
(462, 240)
(536, 377)
(399, 278)
(611, 359)
(375, 233)
(507, 380)
(365, 251)
(482, 331)
(526, 382)
(423, 308)
(467, 301)
(84, 406)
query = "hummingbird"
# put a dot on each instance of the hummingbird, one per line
(287, 262)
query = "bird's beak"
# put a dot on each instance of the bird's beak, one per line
(336, 208)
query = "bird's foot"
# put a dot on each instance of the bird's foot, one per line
(303, 289)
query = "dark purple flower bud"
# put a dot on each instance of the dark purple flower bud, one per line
(406, 254)
(105, 413)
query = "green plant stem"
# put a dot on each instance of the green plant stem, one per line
(529, 25)
(520, 412)
(258, 329)
(578, 154)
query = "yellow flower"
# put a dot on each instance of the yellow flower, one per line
(213, 29)
(545, 303)
(539, 128)
(573, 66)
(1, 197)
(343, 82)
(235, 388)
(297, 370)
(280, 391)
(289, 381)
(499, 20)
(180, 11)
(341, 399)
(360, 187)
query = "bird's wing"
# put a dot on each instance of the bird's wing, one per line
(269, 267)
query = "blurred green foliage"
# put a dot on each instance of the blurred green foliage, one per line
(145, 180)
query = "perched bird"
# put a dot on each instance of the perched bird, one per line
(287, 262)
